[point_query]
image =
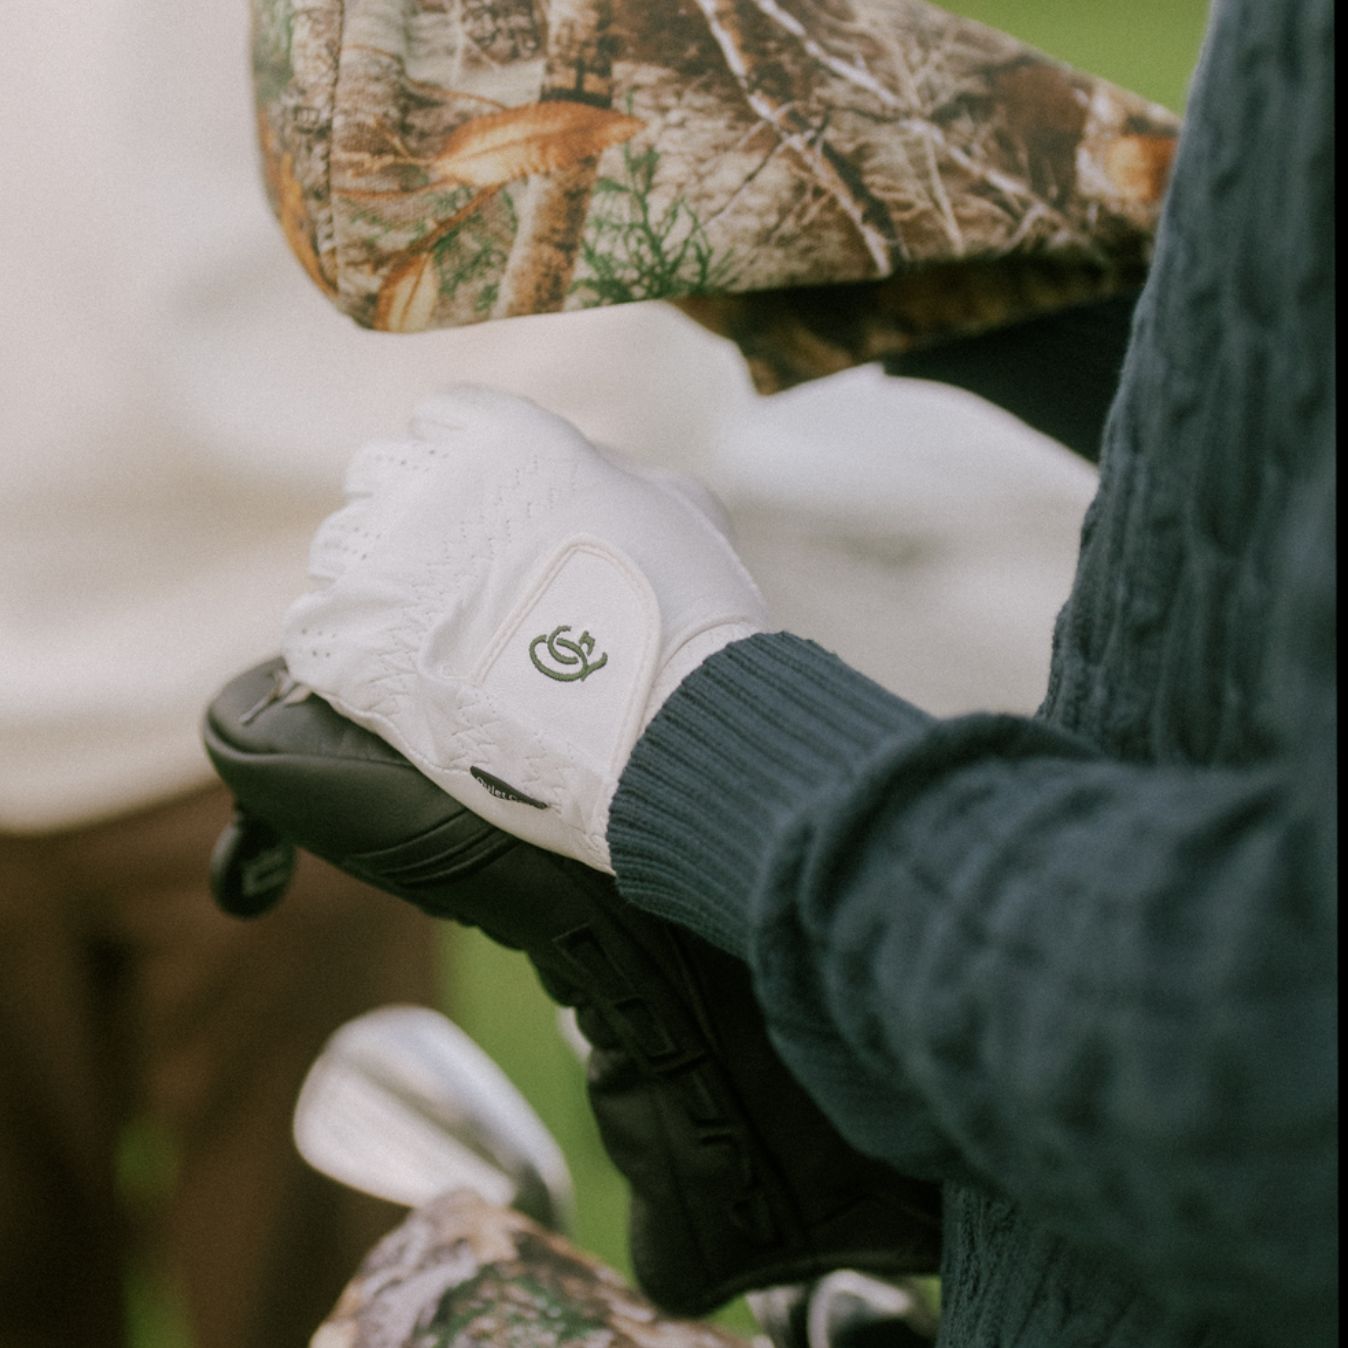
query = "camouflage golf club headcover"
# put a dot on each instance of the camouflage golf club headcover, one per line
(738, 1181)
(435, 165)
(458, 1271)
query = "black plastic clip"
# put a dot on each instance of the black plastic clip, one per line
(251, 866)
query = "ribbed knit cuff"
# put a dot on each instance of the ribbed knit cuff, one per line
(762, 731)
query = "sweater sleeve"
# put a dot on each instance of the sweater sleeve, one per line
(1105, 990)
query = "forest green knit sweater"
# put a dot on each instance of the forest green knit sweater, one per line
(1081, 966)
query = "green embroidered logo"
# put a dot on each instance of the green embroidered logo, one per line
(570, 659)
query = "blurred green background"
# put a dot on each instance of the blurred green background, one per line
(1149, 46)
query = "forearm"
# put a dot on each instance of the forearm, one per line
(1106, 990)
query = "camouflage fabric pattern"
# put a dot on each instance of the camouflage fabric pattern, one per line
(441, 162)
(459, 1273)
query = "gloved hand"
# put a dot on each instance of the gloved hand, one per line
(509, 605)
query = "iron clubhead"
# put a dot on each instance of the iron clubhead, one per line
(402, 1104)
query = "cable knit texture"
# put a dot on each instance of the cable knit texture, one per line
(1081, 966)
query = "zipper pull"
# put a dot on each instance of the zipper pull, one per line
(251, 866)
(285, 689)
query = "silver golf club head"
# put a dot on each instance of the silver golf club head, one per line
(402, 1104)
(844, 1309)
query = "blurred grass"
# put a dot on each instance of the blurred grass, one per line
(1149, 46)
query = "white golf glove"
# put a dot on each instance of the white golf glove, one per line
(509, 605)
